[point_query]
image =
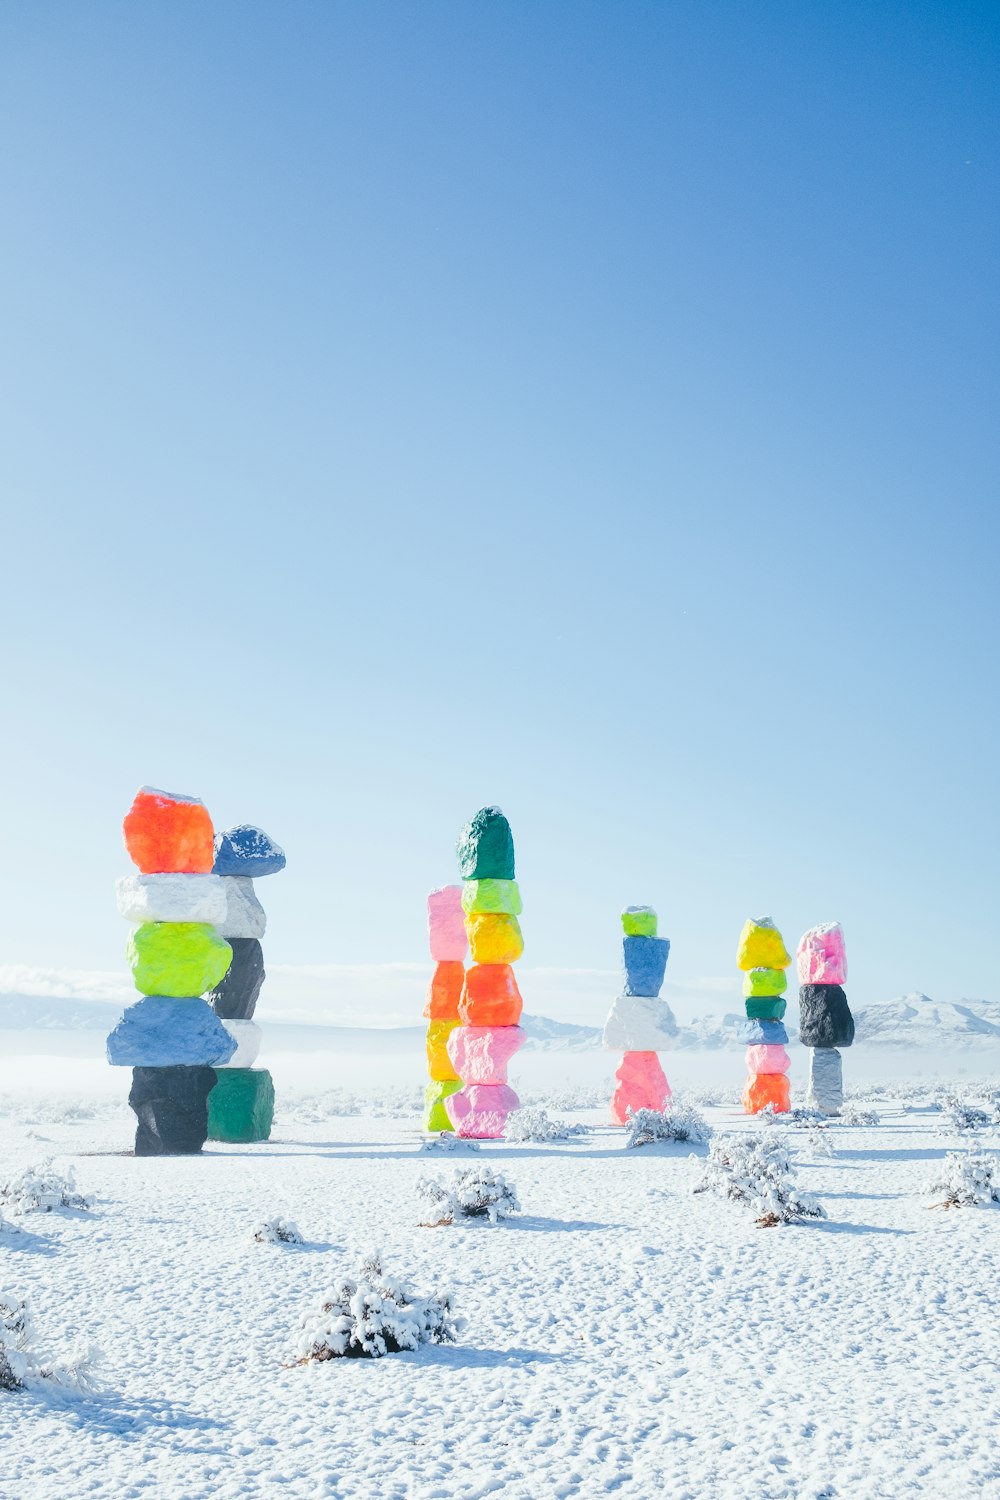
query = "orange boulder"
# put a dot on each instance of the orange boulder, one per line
(445, 990)
(490, 996)
(169, 834)
(763, 1089)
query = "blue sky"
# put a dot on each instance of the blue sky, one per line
(589, 408)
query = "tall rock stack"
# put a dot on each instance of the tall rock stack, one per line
(171, 1038)
(446, 929)
(825, 1020)
(488, 1037)
(241, 1105)
(640, 1023)
(763, 957)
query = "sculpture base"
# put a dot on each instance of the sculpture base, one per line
(640, 1084)
(241, 1106)
(171, 1105)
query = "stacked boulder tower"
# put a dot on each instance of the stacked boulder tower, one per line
(763, 957)
(171, 1038)
(241, 1105)
(825, 1020)
(488, 1035)
(448, 940)
(640, 1024)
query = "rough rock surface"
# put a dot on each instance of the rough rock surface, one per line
(639, 1023)
(490, 996)
(480, 1054)
(245, 850)
(761, 946)
(439, 1064)
(768, 1057)
(171, 1105)
(766, 1007)
(245, 917)
(445, 990)
(435, 1114)
(171, 898)
(491, 896)
(486, 847)
(640, 1083)
(241, 1106)
(167, 832)
(645, 962)
(479, 1111)
(494, 938)
(446, 925)
(161, 1031)
(762, 1089)
(826, 1081)
(639, 921)
(235, 996)
(177, 958)
(825, 1018)
(821, 957)
(248, 1036)
(762, 1033)
(764, 982)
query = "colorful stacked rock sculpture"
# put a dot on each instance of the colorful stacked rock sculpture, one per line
(446, 929)
(763, 958)
(171, 1038)
(241, 1105)
(640, 1024)
(488, 1035)
(825, 1020)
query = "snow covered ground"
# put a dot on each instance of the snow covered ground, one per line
(623, 1337)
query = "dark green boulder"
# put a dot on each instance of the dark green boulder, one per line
(486, 847)
(241, 1106)
(765, 1007)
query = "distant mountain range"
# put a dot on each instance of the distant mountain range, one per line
(912, 1021)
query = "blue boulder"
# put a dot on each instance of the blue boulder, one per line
(755, 1033)
(645, 964)
(161, 1032)
(245, 850)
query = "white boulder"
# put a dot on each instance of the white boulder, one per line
(247, 1036)
(639, 1023)
(172, 898)
(244, 916)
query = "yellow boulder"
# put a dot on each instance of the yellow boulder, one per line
(761, 946)
(439, 1064)
(494, 938)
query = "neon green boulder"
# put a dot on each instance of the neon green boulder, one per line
(765, 982)
(181, 959)
(435, 1115)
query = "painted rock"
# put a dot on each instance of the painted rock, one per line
(762, 1089)
(762, 1033)
(446, 925)
(826, 1081)
(234, 998)
(486, 847)
(768, 1057)
(639, 1023)
(435, 1114)
(161, 1031)
(491, 896)
(640, 1083)
(241, 1106)
(766, 1007)
(245, 850)
(490, 996)
(761, 946)
(825, 1018)
(480, 1054)
(244, 914)
(439, 1065)
(479, 1111)
(763, 982)
(821, 957)
(248, 1036)
(177, 958)
(168, 833)
(494, 938)
(171, 898)
(639, 921)
(445, 991)
(171, 1105)
(645, 960)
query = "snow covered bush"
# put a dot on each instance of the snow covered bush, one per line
(755, 1169)
(278, 1231)
(40, 1190)
(532, 1123)
(853, 1114)
(473, 1193)
(678, 1122)
(818, 1142)
(965, 1119)
(374, 1315)
(20, 1360)
(967, 1179)
(446, 1140)
(798, 1118)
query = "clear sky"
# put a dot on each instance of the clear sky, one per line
(586, 407)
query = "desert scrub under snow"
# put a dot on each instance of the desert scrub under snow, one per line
(678, 1122)
(532, 1123)
(41, 1190)
(374, 1315)
(756, 1170)
(965, 1119)
(473, 1193)
(278, 1231)
(21, 1361)
(966, 1180)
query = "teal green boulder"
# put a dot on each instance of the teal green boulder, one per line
(241, 1106)
(181, 959)
(765, 1007)
(486, 847)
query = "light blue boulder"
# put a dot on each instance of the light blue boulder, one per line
(161, 1032)
(768, 1033)
(245, 850)
(645, 964)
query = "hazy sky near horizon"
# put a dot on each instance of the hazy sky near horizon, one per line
(585, 407)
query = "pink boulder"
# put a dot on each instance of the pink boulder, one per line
(821, 957)
(480, 1054)
(480, 1111)
(446, 924)
(640, 1084)
(768, 1057)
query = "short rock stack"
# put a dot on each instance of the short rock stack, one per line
(763, 957)
(640, 1023)
(241, 1105)
(488, 1037)
(446, 929)
(171, 1038)
(825, 1020)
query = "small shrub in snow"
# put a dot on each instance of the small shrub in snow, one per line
(473, 1193)
(446, 1140)
(967, 1179)
(278, 1232)
(965, 1119)
(20, 1360)
(40, 1190)
(532, 1123)
(372, 1316)
(818, 1142)
(755, 1169)
(853, 1114)
(797, 1119)
(678, 1122)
